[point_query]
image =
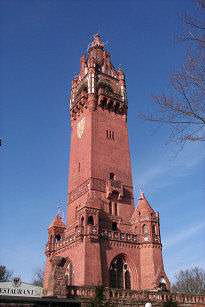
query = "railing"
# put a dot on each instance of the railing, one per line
(93, 232)
(111, 294)
(119, 236)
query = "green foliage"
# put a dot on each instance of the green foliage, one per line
(169, 304)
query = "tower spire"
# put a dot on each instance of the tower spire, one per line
(96, 41)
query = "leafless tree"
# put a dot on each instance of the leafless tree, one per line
(190, 281)
(38, 277)
(184, 109)
(5, 274)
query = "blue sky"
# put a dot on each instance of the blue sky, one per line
(41, 43)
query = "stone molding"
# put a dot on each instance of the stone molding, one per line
(97, 185)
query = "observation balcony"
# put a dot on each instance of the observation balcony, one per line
(91, 231)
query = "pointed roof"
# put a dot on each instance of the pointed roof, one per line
(143, 205)
(96, 41)
(57, 222)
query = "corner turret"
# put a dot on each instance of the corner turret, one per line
(56, 230)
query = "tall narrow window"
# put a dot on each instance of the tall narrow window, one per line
(114, 226)
(145, 233)
(110, 207)
(153, 231)
(115, 207)
(79, 167)
(82, 221)
(127, 280)
(110, 135)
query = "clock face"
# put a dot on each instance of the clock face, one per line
(80, 127)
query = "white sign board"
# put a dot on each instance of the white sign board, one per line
(20, 289)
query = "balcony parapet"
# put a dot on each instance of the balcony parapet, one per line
(112, 294)
(93, 233)
(119, 236)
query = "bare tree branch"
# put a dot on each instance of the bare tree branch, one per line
(190, 281)
(184, 110)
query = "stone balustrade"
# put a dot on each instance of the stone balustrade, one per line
(111, 294)
(81, 292)
(119, 236)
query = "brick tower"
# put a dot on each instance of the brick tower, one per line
(105, 240)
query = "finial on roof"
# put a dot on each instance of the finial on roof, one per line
(143, 204)
(141, 195)
(57, 221)
(97, 41)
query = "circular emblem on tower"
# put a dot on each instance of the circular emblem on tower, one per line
(80, 127)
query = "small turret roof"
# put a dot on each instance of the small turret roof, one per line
(143, 205)
(57, 222)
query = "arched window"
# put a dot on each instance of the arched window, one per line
(112, 176)
(57, 237)
(90, 220)
(62, 262)
(145, 232)
(119, 274)
(98, 68)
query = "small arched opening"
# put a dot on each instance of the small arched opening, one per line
(90, 220)
(112, 176)
(57, 237)
(98, 68)
(114, 226)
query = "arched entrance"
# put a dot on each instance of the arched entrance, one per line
(119, 275)
(61, 276)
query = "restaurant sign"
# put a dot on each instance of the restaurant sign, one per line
(18, 288)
